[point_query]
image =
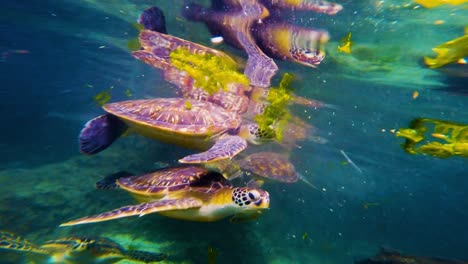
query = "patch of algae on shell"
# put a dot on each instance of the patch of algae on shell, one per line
(276, 116)
(210, 72)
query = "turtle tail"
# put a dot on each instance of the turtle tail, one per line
(194, 12)
(144, 256)
(100, 132)
(153, 19)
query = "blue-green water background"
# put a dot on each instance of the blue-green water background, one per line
(78, 49)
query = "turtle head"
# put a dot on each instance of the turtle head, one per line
(307, 57)
(254, 134)
(307, 46)
(250, 198)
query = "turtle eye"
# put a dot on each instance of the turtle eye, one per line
(254, 195)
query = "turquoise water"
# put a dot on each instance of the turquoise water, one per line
(57, 55)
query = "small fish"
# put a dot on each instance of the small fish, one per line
(346, 44)
(305, 236)
(212, 255)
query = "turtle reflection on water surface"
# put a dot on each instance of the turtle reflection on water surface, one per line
(76, 250)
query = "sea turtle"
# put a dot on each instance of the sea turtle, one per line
(186, 122)
(319, 6)
(77, 250)
(187, 193)
(235, 96)
(270, 166)
(275, 37)
(236, 25)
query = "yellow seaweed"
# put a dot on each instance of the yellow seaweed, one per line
(128, 93)
(434, 137)
(346, 44)
(103, 97)
(452, 51)
(210, 72)
(435, 3)
(275, 118)
(188, 105)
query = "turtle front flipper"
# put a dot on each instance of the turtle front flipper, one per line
(100, 132)
(226, 147)
(140, 210)
(260, 68)
(144, 256)
(10, 241)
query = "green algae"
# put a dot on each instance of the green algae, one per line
(210, 72)
(277, 115)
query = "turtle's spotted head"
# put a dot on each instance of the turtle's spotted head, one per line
(307, 57)
(251, 198)
(307, 46)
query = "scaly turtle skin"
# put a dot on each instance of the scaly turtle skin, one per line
(276, 38)
(185, 122)
(187, 193)
(78, 250)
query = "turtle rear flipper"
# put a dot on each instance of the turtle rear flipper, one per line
(10, 241)
(140, 210)
(100, 132)
(226, 147)
(153, 19)
(144, 256)
(109, 182)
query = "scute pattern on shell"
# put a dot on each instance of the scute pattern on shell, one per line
(173, 179)
(270, 165)
(101, 245)
(177, 114)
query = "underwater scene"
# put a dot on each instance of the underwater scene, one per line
(234, 131)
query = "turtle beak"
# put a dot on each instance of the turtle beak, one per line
(264, 201)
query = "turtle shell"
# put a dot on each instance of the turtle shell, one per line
(270, 165)
(99, 246)
(157, 48)
(170, 180)
(186, 122)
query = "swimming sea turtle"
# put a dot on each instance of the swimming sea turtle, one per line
(236, 26)
(275, 37)
(237, 97)
(186, 122)
(187, 193)
(270, 166)
(77, 250)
